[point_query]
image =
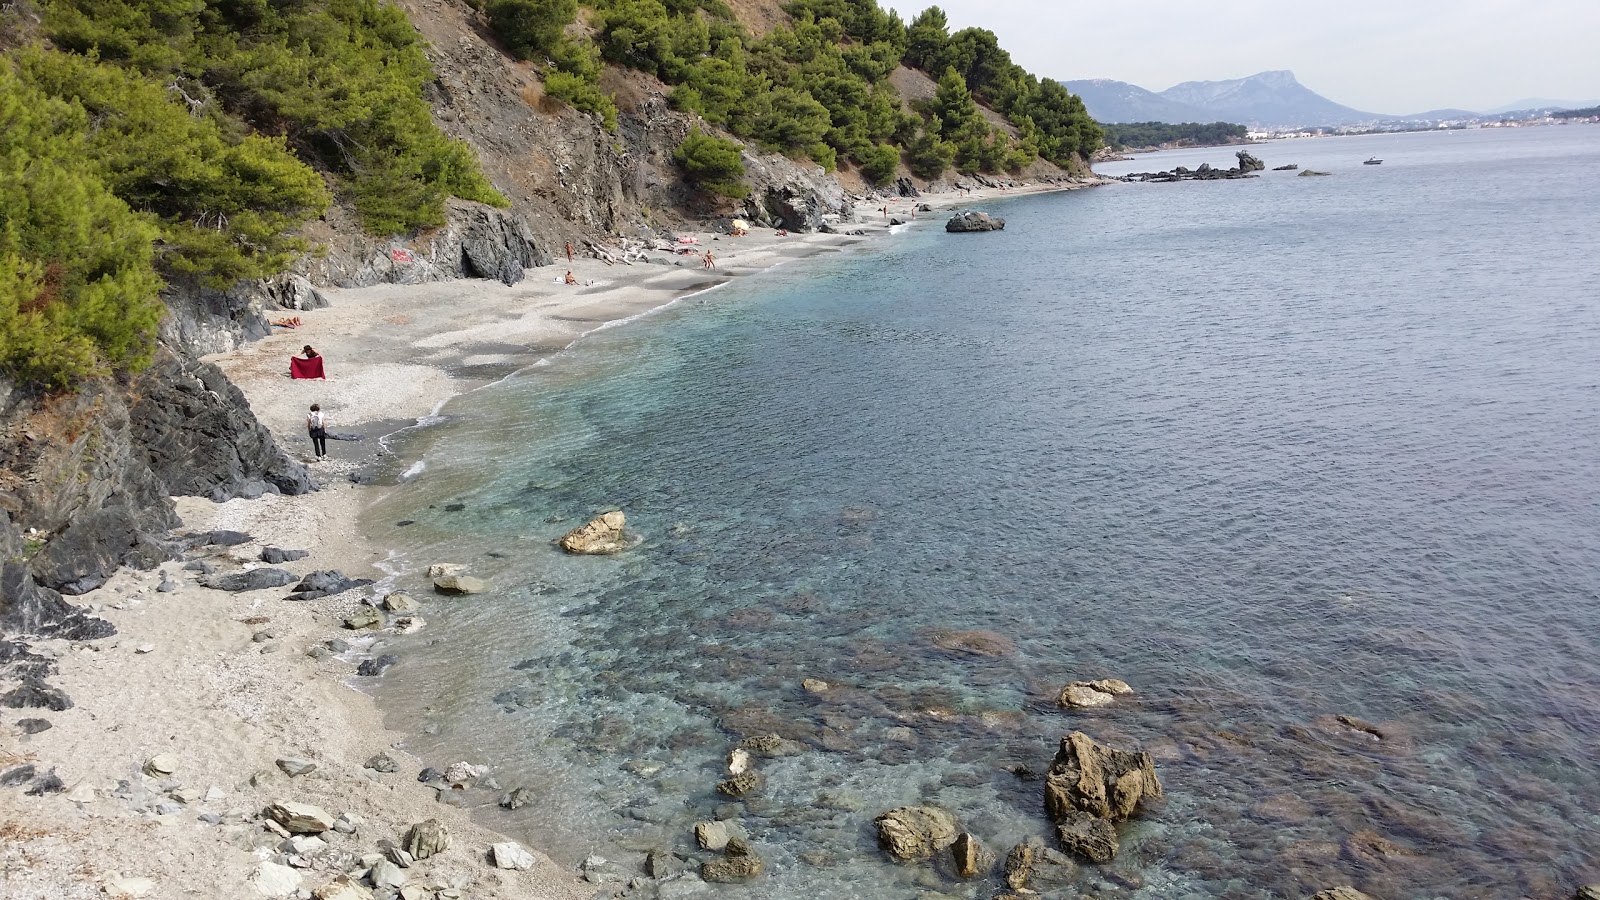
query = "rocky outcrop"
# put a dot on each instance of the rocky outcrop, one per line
(200, 438)
(1247, 168)
(740, 864)
(916, 832)
(973, 221)
(1090, 787)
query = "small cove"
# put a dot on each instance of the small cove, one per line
(1272, 451)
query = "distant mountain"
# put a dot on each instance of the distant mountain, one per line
(1119, 101)
(1527, 103)
(1268, 100)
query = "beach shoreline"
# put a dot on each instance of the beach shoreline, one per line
(230, 683)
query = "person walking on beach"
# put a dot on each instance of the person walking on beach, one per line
(569, 251)
(710, 261)
(317, 427)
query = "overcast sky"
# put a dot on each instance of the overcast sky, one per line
(1384, 56)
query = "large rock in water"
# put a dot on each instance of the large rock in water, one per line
(972, 220)
(1090, 787)
(1248, 162)
(916, 832)
(601, 536)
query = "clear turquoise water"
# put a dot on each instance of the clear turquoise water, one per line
(1272, 451)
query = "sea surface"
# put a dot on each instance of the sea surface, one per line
(1273, 451)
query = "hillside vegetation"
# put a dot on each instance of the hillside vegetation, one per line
(1140, 135)
(161, 139)
(817, 86)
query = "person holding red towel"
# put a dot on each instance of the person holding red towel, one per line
(308, 365)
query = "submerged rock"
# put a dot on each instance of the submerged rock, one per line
(1020, 863)
(517, 798)
(460, 584)
(743, 785)
(1346, 892)
(916, 832)
(602, 535)
(974, 643)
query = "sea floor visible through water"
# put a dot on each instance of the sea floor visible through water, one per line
(1310, 463)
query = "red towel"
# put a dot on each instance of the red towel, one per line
(300, 367)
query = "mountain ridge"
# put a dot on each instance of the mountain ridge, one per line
(1270, 99)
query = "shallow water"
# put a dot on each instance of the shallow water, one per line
(1272, 451)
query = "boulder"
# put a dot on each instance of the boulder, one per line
(510, 855)
(1090, 837)
(916, 832)
(716, 835)
(401, 602)
(325, 584)
(161, 765)
(382, 762)
(273, 880)
(33, 693)
(1102, 781)
(276, 557)
(971, 859)
(517, 798)
(385, 875)
(460, 584)
(1588, 892)
(741, 864)
(971, 220)
(1248, 162)
(253, 580)
(1090, 787)
(602, 535)
(1020, 862)
(426, 839)
(365, 617)
(661, 864)
(377, 665)
(300, 818)
(295, 767)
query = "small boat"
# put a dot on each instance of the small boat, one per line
(1373, 161)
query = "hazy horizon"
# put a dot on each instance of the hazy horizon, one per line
(1380, 57)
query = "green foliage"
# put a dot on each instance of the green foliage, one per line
(929, 157)
(78, 290)
(1155, 134)
(226, 207)
(927, 39)
(580, 93)
(712, 163)
(530, 28)
(340, 80)
(880, 164)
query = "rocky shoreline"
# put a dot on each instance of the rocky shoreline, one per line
(199, 688)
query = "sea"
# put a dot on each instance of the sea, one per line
(1311, 463)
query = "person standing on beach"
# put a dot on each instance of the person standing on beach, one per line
(569, 251)
(317, 427)
(710, 261)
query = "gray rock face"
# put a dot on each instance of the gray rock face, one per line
(253, 580)
(916, 832)
(199, 437)
(969, 221)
